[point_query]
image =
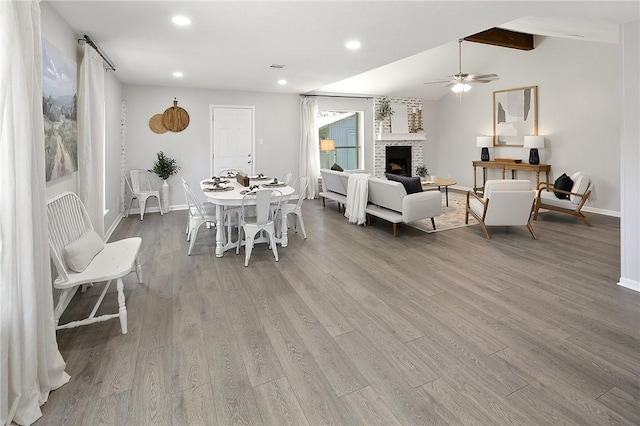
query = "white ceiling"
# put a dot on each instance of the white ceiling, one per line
(231, 44)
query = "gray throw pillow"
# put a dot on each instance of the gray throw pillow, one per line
(411, 184)
(337, 167)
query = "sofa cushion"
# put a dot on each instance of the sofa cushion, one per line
(580, 186)
(411, 184)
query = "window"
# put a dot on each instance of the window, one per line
(343, 127)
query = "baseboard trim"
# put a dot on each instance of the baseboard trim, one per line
(156, 209)
(630, 284)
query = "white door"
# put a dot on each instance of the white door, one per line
(232, 138)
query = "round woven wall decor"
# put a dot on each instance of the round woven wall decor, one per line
(175, 118)
(155, 124)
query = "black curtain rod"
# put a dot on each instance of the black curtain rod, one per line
(90, 42)
(337, 96)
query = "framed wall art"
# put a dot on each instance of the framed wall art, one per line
(515, 115)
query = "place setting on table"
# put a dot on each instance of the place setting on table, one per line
(217, 184)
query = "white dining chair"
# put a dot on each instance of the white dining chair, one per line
(286, 178)
(140, 187)
(295, 209)
(263, 221)
(199, 214)
(81, 258)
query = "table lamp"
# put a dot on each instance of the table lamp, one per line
(484, 142)
(328, 145)
(534, 142)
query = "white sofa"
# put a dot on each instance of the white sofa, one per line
(387, 200)
(334, 186)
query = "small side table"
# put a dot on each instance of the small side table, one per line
(439, 183)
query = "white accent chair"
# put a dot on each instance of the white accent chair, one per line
(140, 187)
(198, 214)
(68, 221)
(295, 210)
(572, 204)
(263, 221)
(506, 202)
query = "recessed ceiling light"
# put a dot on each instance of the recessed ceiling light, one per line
(282, 82)
(353, 44)
(177, 74)
(181, 20)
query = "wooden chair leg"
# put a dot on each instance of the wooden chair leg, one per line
(535, 212)
(533, 234)
(395, 229)
(486, 231)
(583, 218)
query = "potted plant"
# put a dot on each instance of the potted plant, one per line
(422, 171)
(165, 167)
(384, 110)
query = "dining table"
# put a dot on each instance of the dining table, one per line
(230, 194)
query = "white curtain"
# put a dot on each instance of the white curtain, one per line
(30, 363)
(309, 147)
(91, 98)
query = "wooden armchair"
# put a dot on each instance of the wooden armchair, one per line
(506, 202)
(576, 198)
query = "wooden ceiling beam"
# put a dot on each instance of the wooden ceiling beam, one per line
(503, 38)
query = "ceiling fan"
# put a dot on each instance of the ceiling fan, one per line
(461, 82)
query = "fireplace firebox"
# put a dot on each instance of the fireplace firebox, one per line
(398, 160)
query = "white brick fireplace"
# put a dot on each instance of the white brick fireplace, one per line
(379, 159)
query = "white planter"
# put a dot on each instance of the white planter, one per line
(164, 196)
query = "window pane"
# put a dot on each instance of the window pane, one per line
(342, 127)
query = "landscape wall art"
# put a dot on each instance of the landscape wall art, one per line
(59, 106)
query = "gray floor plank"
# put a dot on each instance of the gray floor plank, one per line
(355, 326)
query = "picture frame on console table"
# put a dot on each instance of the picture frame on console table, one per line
(515, 115)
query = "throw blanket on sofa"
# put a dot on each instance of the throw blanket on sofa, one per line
(357, 194)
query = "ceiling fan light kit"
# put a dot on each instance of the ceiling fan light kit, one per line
(460, 87)
(461, 82)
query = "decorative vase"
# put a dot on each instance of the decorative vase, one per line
(164, 196)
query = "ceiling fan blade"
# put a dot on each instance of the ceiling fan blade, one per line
(487, 77)
(438, 81)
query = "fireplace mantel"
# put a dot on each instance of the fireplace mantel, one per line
(401, 136)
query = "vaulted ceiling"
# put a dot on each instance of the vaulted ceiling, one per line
(230, 45)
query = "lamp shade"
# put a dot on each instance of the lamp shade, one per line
(484, 141)
(534, 141)
(327, 145)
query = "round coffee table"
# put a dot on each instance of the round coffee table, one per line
(439, 183)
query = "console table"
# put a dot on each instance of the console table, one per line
(504, 166)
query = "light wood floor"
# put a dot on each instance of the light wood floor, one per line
(353, 326)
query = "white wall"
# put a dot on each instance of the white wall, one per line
(277, 119)
(630, 158)
(579, 114)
